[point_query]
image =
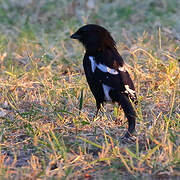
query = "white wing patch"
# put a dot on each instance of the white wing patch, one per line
(106, 90)
(103, 67)
(93, 63)
(130, 91)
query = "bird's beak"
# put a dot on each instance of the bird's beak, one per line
(75, 36)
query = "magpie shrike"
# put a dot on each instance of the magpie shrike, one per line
(105, 71)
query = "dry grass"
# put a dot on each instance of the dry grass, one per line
(47, 129)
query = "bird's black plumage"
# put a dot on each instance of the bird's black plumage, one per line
(105, 71)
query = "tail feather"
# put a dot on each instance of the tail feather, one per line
(128, 109)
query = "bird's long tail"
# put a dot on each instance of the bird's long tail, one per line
(128, 109)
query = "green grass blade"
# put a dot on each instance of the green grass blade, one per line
(90, 142)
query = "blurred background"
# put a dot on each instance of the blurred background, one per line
(57, 18)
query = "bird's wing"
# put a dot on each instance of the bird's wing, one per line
(118, 79)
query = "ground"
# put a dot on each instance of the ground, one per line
(47, 129)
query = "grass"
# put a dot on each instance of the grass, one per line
(47, 129)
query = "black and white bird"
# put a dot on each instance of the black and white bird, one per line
(105, 71)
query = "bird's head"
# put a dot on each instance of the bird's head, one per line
(94, 38)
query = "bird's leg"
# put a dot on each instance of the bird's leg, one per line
(97, 111)
(98, 106)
